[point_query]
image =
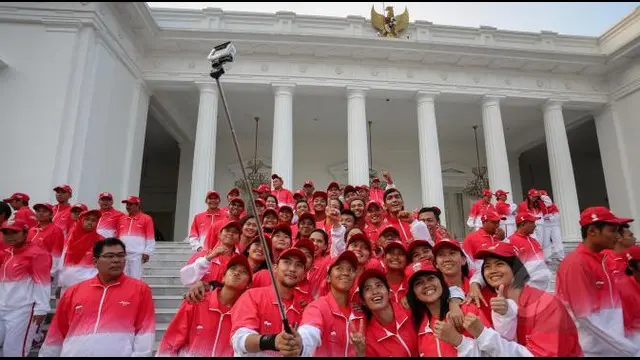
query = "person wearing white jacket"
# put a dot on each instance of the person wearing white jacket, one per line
(551, 227)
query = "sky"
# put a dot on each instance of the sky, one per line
(580, 18)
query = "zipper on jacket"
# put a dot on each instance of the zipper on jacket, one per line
(604, 268)
(438, 346)
(104, 294)
(215, 343)
(4, 272)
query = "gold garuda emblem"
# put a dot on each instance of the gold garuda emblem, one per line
(390, 25)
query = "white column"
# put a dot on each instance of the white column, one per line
(429, 149)
(282, 147)
(358, 154)
(182, 221)
(132, 166)
(495, 145)
(562, 180)
(204, 153)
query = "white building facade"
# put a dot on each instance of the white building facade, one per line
(117, 97)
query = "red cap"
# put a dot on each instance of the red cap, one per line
(360, 237)
(348, 255)
(80, 206)
(348, 188)
(600, 214)
(307, 215)
(373, 202)
(633, 253)
(533, 192)
(525, 216)
(503, 249)
(275, 176)
(270, 210)
(369, 274)
(395, 245)
(298, 195)
(292, 251)
(235, 224)
(257, 239)
(105, 195)
(487, 192)
(333, 184)
(492, 216)
(95, 212)
(132, 199)
(17, 196)
(387, 228)
(319, 194)
(44, 205)
(374, 179)
(446, 243)
(308, 182)
(501, 192)
(239, 259)
(15, 225)
(364, 187)
(234, 191)
(543, 192)
(418, 242)
(285, 207)
(237, 200)
(283, 228)
(66, 188)
(423, 266)
(307, 244)
(262, 188)
(260, 202)
(212, 193)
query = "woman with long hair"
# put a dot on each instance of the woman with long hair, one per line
(255, 254)
(248, 231)
(451, 261)
(428, 299)
(389, 330)
(527, 321)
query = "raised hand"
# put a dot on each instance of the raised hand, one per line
(475, 295)
(405, 216)
(289, 344)
(220, 249)
(196, 293)
(499, 303)
(356, 338)
(447, 333)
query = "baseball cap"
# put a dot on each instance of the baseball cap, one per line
(320, 194)
(501, 192)
(257, 239)
(417, 268)
(525, 216)
(230, 223)
(543, 193)
(260, 202)
(492, 216)
(283, 207)
(416, 243)
(374, 179)
(276, 176)
(600, 214)
(66, 188)
(292, 251)
(17, 196)
(298, 195)
(388, 228)
(307, 215)
(307, 244)
(360, 237)
(503, 249)
(95, 212)
(132, 199)
(44, 205)
(270, 210)
(446, 243)
(348, 255)
(283, 228)
(260, 189)
(487, 192)
(395, 245)
(533, 192)
(633, 253)
(212, 193)
(239, 259)
(15, 225)
(369, 274)
(373, 202)
(105, 195)
(237, 200)
(333, 184)
(308, 183)
(234, 191)
(80, 206)
(364, 187)
(348, 188)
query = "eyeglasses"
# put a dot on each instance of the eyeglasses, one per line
(111, 256)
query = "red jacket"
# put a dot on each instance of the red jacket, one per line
(376, 194)
(477, 240)
(630, 298)
(93, 319)
(531, 254)
(198, 268)
(402, 342)
(25, 279)
(137, 233)
(202, 223)
(62, 218)
(284, 196)
(303, 288)
(479, 208)
(26, 214)
(108, 222)
(616, 263)
(50, 238)
(199, 330)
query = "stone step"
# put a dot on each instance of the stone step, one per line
(172, 245)
(163, 279)
(167, 264)
(161, 290)
(167, 301)
(169, 256)
(161, 270)
(187, 252)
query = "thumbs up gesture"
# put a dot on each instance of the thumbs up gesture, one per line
(499, 303)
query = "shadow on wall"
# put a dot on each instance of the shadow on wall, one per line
(587, 167)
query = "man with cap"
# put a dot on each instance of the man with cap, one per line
(207, 265)
(376, 192)
(408, 227)
(395, 260)
(616, 258)
(479, 208)
(375, 219)
(47, 235)
(203, 329)
(256, 326)
(20, 204)
(506, 209)
(589, 291)
(363, 192)
(284, 196)
(233, 193)
(629, 285)
(551, 228)
(530, 252)
(307, 191)
(534, 205)
(137, 232)
(319, 202)
(431, 217)
(203, 221)
(62, 210)
(109, 218)
(75, 211)
(262, 191)
(304, 286)
(333, 190)
(236, 209)
(349, 193)
(483, 237)
(25, 288)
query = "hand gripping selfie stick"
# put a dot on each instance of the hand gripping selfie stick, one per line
(220, 55)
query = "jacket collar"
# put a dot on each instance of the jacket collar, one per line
(379, 332)
(335, 309)
(585, 251)
(95, 281)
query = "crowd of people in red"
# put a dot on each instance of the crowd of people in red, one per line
(358, 275)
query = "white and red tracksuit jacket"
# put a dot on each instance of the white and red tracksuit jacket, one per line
(62, 218)
(376, 194)
(26, 279)
(531, 254)
(402, 342)
(201, 225)
(589, 291)
(77, 262)
(284, 196)
(408, 232)
(137, 233)
(108, 222)
(26, 214)
(93, 319)
(199, 330)
(51, 238)
(199, 268)
(478, 209)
